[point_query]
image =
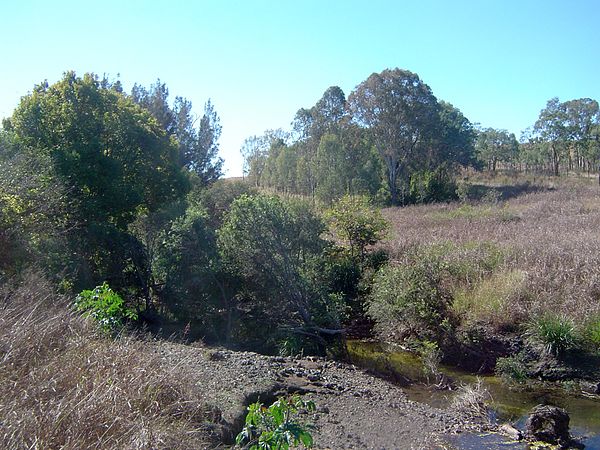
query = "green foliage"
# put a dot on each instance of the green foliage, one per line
(276, 427)
(357, 223)
(463, 191)
(105, 306)
(555, 333)
(276, 248)
(410, 300)
(432, 186)
(511, 368)
(591, 332)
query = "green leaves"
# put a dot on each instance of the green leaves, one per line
(356, 222)
(105, 306)
(275, 427)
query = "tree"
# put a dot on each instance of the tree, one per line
(155, 100)
(255, 151)
(274, 245)
(551, 127)
(494, 146)
(354, 221)
(198, 146)
(113, 157)
(401, 112)
(204, 159)
(456, 138)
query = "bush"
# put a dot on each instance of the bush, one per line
(354, 221)
(105, 306)
(555, 333)
(410, 300)
(428, 186)
(511, 368)
(591, 332)
(275, 427)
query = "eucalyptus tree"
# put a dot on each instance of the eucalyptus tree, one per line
(496, 146)
(551, 127)
(402, 114)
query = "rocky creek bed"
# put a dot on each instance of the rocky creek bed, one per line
(354, 408)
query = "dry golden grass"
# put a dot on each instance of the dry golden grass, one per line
(550, 237)
(64, 385)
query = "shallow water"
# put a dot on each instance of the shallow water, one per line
(510, 404)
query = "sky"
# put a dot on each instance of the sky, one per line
(259, 61)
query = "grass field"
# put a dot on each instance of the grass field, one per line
(547, 236)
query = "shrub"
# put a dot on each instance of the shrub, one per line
(276, 427)
(511, 368)
(409, 300)
(105, 306)
(555, 333)
(432, 185)
(354, 221)
(431, 356)
(591, 332)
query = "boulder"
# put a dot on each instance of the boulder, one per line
(548, 424)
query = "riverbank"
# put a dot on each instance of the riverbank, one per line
(509, 402)
(354, 408)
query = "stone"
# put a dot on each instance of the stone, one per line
(510, 431)
(548, 424)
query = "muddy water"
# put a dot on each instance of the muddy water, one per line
(510, 404)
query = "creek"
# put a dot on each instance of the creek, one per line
(509, 403)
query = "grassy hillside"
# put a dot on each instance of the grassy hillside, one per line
(63, 384)
(520, 260)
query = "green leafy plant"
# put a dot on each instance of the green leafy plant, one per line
(354, 221)
(555, 333)
(591, 332)
(105, 306)
(511, 369)
(276, 427)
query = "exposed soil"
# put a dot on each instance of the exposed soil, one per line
(354, 408)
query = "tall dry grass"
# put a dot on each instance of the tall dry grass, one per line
(549, 237)
(65, 385)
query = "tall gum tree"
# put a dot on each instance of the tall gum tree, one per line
(401, 112)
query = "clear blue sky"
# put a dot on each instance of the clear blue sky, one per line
(260, 61)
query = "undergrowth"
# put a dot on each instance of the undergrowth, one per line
(65, 385)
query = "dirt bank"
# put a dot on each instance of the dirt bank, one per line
(354, 409)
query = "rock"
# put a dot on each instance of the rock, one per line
(548, 424)
(511, 432)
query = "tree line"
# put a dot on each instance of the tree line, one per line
(99, 187)
(392, 140)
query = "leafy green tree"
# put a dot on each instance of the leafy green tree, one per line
(114, 159)
(401, 113)
(496, 146)
(255, 151)
(332, 171)
(456, 138)
(197, 146)
(552, 129)
(276, 246)
(156, 101)
(204, 160)
(354, 221)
